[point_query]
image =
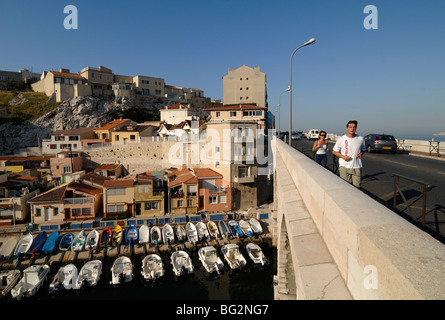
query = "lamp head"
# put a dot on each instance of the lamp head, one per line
(311, 41)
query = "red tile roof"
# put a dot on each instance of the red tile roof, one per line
(82, 187)
(55, 194)
(178, 106)
(236, 107)
(108, 166)
(203, 173)
(68, 75)
(118, 183)
(72, 131)
(112, 124)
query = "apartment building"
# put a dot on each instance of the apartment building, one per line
(177, 113)
(183, 192)
(148, 195)
(149, 86)
(245, 85)
(238, 113)
(118, 198)
(66, 140)
(99, 78)
(66, 162)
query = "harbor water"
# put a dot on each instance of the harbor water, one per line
(251, 283)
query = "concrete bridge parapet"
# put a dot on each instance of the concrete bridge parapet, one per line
(334, 242)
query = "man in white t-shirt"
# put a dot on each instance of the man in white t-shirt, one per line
(349, 149)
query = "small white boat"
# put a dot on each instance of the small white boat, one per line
(233, 256)
(256, 226)
(155, 235)
(8, 279)
(180, 233)
(213, 229)
(78, 242)
(7, 248)
(32, 280)
(192, 234)
(203, 233)
(92, 240)
(65, 278)
(152, 267)
(224, 229)
(210, 260)
(245, 228)
(23, 245)
(167, 233)
(256, 254)
(122, 270)
(181, 263)
(144, 234)
(89, 274)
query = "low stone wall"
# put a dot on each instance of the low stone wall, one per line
(378, 254)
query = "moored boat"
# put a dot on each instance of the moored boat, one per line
(121, 271)
(105, 237)
(202, 231)
(168, 235)
(32, 280)
(65, 241)
(38, 243)
(256, 254)
(152, 267)
(7, 248)
(51, 243)
(210, 260)
(245, 228)
(192, 234)
(233, 256)
(224, 229)
(213, 229)
(89, 274)
(235, 229)
(78, 242)
(155, 235)
(23, 245)
(180, 232)
(65, 278)
(8, 279)
(117, 235)
(181, 263)
(144, 234)
(131, 235)
(256, 226)
(92, 240)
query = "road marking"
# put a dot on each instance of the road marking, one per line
(402, 164)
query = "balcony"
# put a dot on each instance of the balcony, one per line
(78, 200)
(244, 179)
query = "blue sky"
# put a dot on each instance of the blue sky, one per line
(391, 79)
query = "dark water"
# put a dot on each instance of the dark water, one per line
(252, 283)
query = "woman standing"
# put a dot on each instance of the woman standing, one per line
(321, 145)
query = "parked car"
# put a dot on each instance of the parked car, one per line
(313, 134)
(297, 135)
(380, 142)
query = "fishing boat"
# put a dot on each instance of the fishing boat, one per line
(65, 241)
(181, 263)
(7, 248)
(256, 226)
(121, 271)
(180, 233)
(235, 229)
(51, 243)
(203, 233)
(38, 243)
(210, 260)
(117, 235)
(213, 229)
(152, 267)
(192, 234)
(168, 235)
(131, 235)
(245, 228)
(32, 280)
(65, 278)
(8, 279)
(233, 256)
(92, 240)
(256, 254)
(78, 242)
(155, 235)
(224, 229)
(144, 234)
(105, 237)
(89, 274)
(23, 245)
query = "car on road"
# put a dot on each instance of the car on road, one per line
(313, 134)
(297, 135)
(380, 142)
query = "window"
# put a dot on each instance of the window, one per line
(243, 172)
(86, 211)
(189, 203)
(76, 212)
(233, 113)
(38, 212)
(59, 138)
(117, 137)
(179, 203)
(55, 211)
(152, 206)
(73, 138)
(92, 74)
(212, 200)
(222, 199)
(116, 191)
(217, 164)
(53, 146)
(218, 114)
(146, 189)
(191, 191)
(217, 149)
(100, 76)
(66, 169)
(139, 189)
(111, 208)
(132, 137)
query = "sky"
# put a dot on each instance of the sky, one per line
(390, 79)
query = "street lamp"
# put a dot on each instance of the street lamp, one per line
(311, 41)
(279, 104)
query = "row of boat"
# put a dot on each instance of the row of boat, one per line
(68, 277)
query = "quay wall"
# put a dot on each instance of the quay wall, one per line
(378, 254)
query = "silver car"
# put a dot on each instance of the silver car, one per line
(380, 142)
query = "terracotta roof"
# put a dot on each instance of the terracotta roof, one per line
(236, 107)
(118, 183)
(133, 128)
(95, 178)
(178, 106)
(188, 178)
(16, 176)
(112, 124)
(84, 188)
(107, 166)
(203, 173)
(72, 131)
(55, 194)
(68, 75)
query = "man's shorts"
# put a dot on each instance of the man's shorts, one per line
(351, 175)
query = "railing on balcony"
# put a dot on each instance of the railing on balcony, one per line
(78, 200)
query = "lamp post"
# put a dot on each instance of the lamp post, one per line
(279, 104)
(311, 41)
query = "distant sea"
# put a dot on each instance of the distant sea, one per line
(422, 137)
